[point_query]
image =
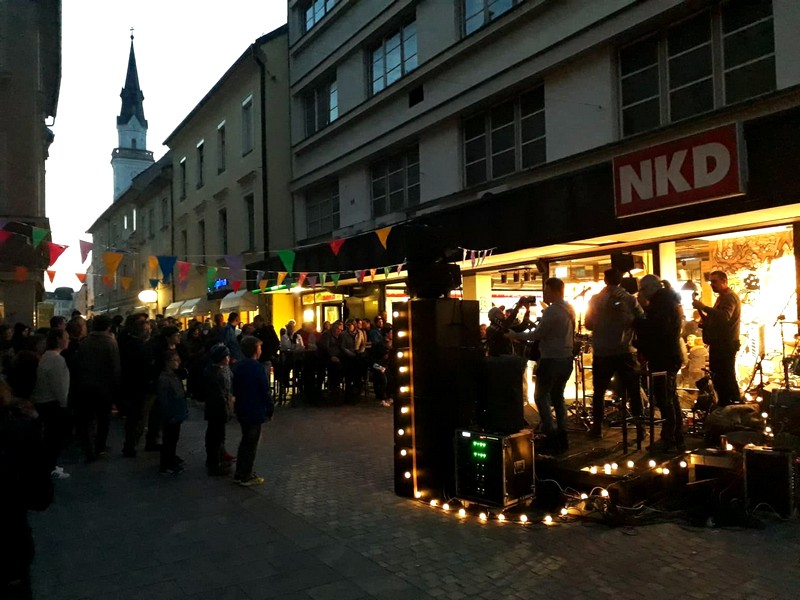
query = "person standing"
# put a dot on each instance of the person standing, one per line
(137, 365)
(174, 411)
(253, 407)
(218, 400)
(720, 324)
(610, 317)
(556, 335)
(659, 343)
(229, 337)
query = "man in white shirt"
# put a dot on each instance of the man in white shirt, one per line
(50, 397)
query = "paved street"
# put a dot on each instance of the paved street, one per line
(327, 526)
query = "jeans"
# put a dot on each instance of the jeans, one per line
(215, 443)
(246, 456)
(169, 444)
(551, 379)
(54, 426)
(665, 394)
(603, 368)
(93, 414)
(722, 364)
(139, 411)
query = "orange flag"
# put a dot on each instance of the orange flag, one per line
(383, 234)
(126, 282)
(372, 274)
(111, 261)
(81, 277)
(51, 274)
(262, 285)
(152, 266)
(281, 276)
(108, 280)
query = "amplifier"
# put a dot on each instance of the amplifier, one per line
(784, 410)
(494, 469)
(769, 480)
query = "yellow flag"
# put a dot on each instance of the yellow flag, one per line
(262, 284)
(126, 282)
(111, 261)
(281, 276)
(383, 234)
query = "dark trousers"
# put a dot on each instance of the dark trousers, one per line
(551, 379)
(94, 414)
(139, 411)
(722, 364)
(665, 394)
(246, 456)
(54, 430)
(604, 368)
(171, 432)
(215, 443)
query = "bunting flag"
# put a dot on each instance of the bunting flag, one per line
(372, 274)
(235, 263)
(211, 277)
(383, 234)
(37, 235)
(3, 222)
(301, 278)
(81, 277)
(183, 271)
(108, 280)
(152, 266)
(312, 281)
(50, 274)
(20, 274)
(386, 271)
(262, 285)
(86, 247)
(399, 268)
(323, 277)
(126, 282)
(464, 254)
(259, 275)
(336, 245)
(335, 278)
(281, 276)
(182, 285)
(111, 260)
(4, 235)
(472, 258)
(237, 285)
(287, 258)
(55, 250)
(153, 282)
(360, 276)
(167, 265)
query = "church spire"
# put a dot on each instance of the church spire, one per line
(131, 94)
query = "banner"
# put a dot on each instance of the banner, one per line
(86, 247)
(312, 281)
(323, 277)
(167, 264)
(372, 275)
(336, 245)
(386, 271)
(126, 282)
(237, 285)
(152, 267)
(281, 277)
(287, 258)
(108, 280)
(37, 235)
(383, 234)
(235, 263)
(360, 276)
(301, 278)
(50, 274)
(153, 282)
(81, 277)
(262, 285)
(55, 250)
(111, 261)
(335, 278)
(211, 277)
(183, 271)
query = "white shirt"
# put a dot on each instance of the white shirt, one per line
(52, 379)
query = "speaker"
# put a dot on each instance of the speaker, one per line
(432, 280)
(784, 411)
(622, 261)
(769, 480)
(501, 409)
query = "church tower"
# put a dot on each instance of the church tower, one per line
(131, 157)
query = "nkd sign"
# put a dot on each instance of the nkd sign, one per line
(693, 169)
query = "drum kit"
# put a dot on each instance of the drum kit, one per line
(790, 362)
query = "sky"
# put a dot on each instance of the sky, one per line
(182, 49)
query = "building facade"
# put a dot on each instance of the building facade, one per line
(231, 167)
(30, 79)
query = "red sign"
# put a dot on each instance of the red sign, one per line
(694, 169)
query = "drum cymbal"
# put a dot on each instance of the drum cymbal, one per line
(788, 322)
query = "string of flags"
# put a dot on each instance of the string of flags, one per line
(476, 257)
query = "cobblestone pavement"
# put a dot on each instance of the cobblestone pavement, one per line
(327, 525)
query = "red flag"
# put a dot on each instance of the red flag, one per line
(301, 278)
(108, 280)
(236, 285)
(183, 270)
(336, 245)
(56, 250)
(81, 277)
(4, 235)
(51, 274)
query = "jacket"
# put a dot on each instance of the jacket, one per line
(98, 361)
(217, 390)
(610, 318)
(659, 332)
(171, 398)
(253, 405)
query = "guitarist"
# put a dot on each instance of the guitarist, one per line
(720, 325)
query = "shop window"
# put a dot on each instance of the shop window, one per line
(478, 13)
(322, 209)
(395, 183)
(714, 58)
(321, 107)
(507, 138)
(395, 57)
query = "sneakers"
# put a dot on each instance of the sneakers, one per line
(249, 481)
(173, 470)
(60, 473)
(228, 457)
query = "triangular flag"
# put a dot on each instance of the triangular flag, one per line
(287, 258)
(108, 280)
(472, 258)
(183, 270)
(262, 285)
(111, 260)
(211, 277)
(336, 245)
(3, 222)
(372, 274)
(386, 271)
(183, 284)
(281, 276)
(399, 268)
(4, 235)
(50, 274)
(301, 278)
(37, 235)
(86, 247)
(383, 234)
(323, 276)
(464, 254)
(126, 282)
(152, 266)
(153, 282)
(235, 263)
(20, 274)
(55, 250)
(259, 275)
(312, 281)
(335, 278)
(236, 285)
(167, 265)
(81, 277)
(360, 276)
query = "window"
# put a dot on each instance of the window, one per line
(395, 57)
(507, 138)
(125, 222)
(248, 134)
(164, 212)
(478, 13)
(322, 209)
(710, 60)
(321, 107)
(151, 222)
(395, 183)
(250, 211)
(221, 150)
(200, 163)
(201, 234)
(223, 231)
(133, 219)
(182, 180)
(314, 10)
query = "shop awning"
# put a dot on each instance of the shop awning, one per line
(237, 301)
(189, 307)
(173, 309)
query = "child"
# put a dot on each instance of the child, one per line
(174, 411)
(218, 404)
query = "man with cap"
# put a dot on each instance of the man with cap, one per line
(659, 344)
(218, 400)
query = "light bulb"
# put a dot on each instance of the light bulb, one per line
(593, 470)
(729, 447)
(604, 493)
(607, 469)
(462, 512)
(482, 516)
(768, 429)
(400, 355)
(417, 494)
(564, 512)
(584, 496)
(764, 415)
(403, 389)
(684, 464)
(434, 503)
(548, 520)
(659, 470)
(407, 474)
(614, 466)
(401, 432)
(395, 314)
(651, 463)
(404, 410)
(403, 369)
(446, 506)
(501, 517)
(523, 518)
(631, 464)
(665, 471)
(403, 452)
(401, 334)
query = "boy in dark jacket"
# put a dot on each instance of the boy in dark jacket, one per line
(174, 411)
(253, 406)
(217, 396)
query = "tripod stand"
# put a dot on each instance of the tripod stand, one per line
(577, 407)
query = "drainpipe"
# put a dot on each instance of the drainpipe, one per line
(262, 67)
